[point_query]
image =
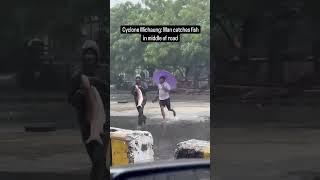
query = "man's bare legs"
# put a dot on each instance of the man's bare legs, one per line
(163, 113)
(173, 111)
(141, 117)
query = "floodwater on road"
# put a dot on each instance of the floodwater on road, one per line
(46, 155)
(266, 153)
(61, 154)
(165, 138)
(278, 142)
(192, 121)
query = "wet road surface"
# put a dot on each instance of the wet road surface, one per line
(270, 142)
(192, 121)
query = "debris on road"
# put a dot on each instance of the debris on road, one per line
(193, 149)
(40, 127)
(122, 102)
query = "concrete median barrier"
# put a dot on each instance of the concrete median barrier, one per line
(193, 149)
(131, 147)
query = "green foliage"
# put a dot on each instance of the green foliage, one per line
(127, 51)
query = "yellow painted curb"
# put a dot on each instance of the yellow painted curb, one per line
(130, 146)
(206, 153)
(119, 152)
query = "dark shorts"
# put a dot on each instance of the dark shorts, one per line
(165, 103)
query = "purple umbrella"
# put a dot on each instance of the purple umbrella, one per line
(170, 79)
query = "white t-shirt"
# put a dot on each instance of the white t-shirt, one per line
(163, 94)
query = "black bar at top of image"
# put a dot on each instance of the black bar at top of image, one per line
(160, 26)
(161, 35)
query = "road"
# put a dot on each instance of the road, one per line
(60, 154)
(266, 153)
(250, 141)
(192, 121)
(50, 155)
(266, 142)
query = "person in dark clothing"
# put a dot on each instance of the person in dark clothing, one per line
(96, 151)
(143, 87)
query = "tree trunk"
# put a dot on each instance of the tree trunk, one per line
(182, 73)
(278, 42)
(195, 82)
(187, 73)
(196, 77)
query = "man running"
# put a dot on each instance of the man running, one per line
(143, 88)
(164, 97)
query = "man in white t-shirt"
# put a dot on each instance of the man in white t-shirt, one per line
(164, 97)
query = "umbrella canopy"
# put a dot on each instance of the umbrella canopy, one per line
(170, 79)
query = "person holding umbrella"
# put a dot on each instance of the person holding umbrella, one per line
(163, 95)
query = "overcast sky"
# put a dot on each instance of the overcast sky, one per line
(114, 2)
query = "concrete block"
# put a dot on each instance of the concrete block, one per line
(193, 149)
(131, 147)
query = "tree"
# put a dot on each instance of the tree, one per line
(184, 57)
(126, 50)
